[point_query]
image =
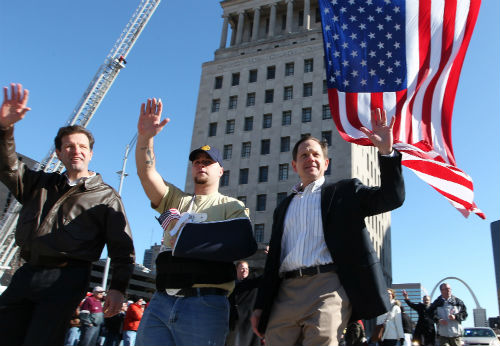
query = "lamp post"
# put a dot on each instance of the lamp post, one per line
(122, 174)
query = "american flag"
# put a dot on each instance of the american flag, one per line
(405, 57)
(167, 216)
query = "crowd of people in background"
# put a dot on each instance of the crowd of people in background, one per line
(89, 327)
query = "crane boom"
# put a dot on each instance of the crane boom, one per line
(81, 115)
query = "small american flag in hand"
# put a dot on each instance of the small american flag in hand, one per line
(167, 216)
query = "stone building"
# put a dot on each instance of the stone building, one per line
(263, 90)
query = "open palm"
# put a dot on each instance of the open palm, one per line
(14, 107)
(150, 123)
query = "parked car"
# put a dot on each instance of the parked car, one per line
(480, 336)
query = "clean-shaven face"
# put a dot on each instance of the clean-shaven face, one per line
(75, 153)
(310, 163)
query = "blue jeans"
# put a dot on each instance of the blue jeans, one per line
(178, 321)
(129, 337)
(72, 336)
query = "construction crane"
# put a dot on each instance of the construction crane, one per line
(81, 115)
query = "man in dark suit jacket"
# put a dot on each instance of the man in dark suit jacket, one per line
(321, 269)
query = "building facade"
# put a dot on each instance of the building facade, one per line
(150, 257)
(264, 89)
(495, 243)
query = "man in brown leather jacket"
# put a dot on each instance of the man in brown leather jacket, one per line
(65, 221)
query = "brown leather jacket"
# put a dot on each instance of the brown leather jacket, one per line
(59, 222)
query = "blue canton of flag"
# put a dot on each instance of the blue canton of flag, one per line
(365, 45)
(167, 216)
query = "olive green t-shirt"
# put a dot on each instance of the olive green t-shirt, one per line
(216, 206)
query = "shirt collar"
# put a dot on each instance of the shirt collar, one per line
(310, 188)
(77, 181)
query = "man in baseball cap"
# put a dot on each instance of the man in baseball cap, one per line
(207, 149)
(179, 277)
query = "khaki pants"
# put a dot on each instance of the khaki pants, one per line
(310, 311)
(449, 341)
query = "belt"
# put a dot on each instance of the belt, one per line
(52, 262)
(201, 291)
(310, 271)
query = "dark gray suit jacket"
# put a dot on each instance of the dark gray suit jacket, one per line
(344, 206)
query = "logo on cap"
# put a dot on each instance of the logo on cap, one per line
(205, 147)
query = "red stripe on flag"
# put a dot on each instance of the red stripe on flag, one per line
(438, 171)
(451, 87)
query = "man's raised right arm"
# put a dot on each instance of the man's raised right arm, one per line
(149, 125)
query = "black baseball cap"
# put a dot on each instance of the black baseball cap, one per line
(207, 149)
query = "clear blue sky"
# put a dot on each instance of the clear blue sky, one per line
(54, 48)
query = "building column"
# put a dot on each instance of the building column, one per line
(272, 20)
(289, 16)
(307, 14)
(239, 30)
(223, 36)
(256, 22)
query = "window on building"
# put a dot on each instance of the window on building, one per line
(327, 137)
(325, 112)
(286, 118)
(259, 232)
(269, 96)
(308, 89)
(289, 68)
(317, 18)
(261, 202)
(308, 65)
(305, 135)
(283, 172)
(215, 105)
(218, 82)
(280, 197)
(329, 169)
(235, 79)
(325, 87)
(267, 121)
(245, 149)
(233, 102)
(271, 72)
(285, 144)
(288, 93)
(230, 126)
(248, 124)
(243, 179)
(306, 115)
(265, 146)
(301, 18)
(263, 172)
(228, 152)
(242, 199)
(283, 22)
(250, 99)
(212, 129)
(224, 180)
(252, 76)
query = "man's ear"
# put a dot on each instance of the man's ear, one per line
(221, 172)
(58, 152)
(294, 166)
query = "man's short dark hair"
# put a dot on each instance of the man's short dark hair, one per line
(443, 285)
(322, 144)
(69, 130)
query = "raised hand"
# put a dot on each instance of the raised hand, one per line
(150, 123)
(381, 133)
(14, 108)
